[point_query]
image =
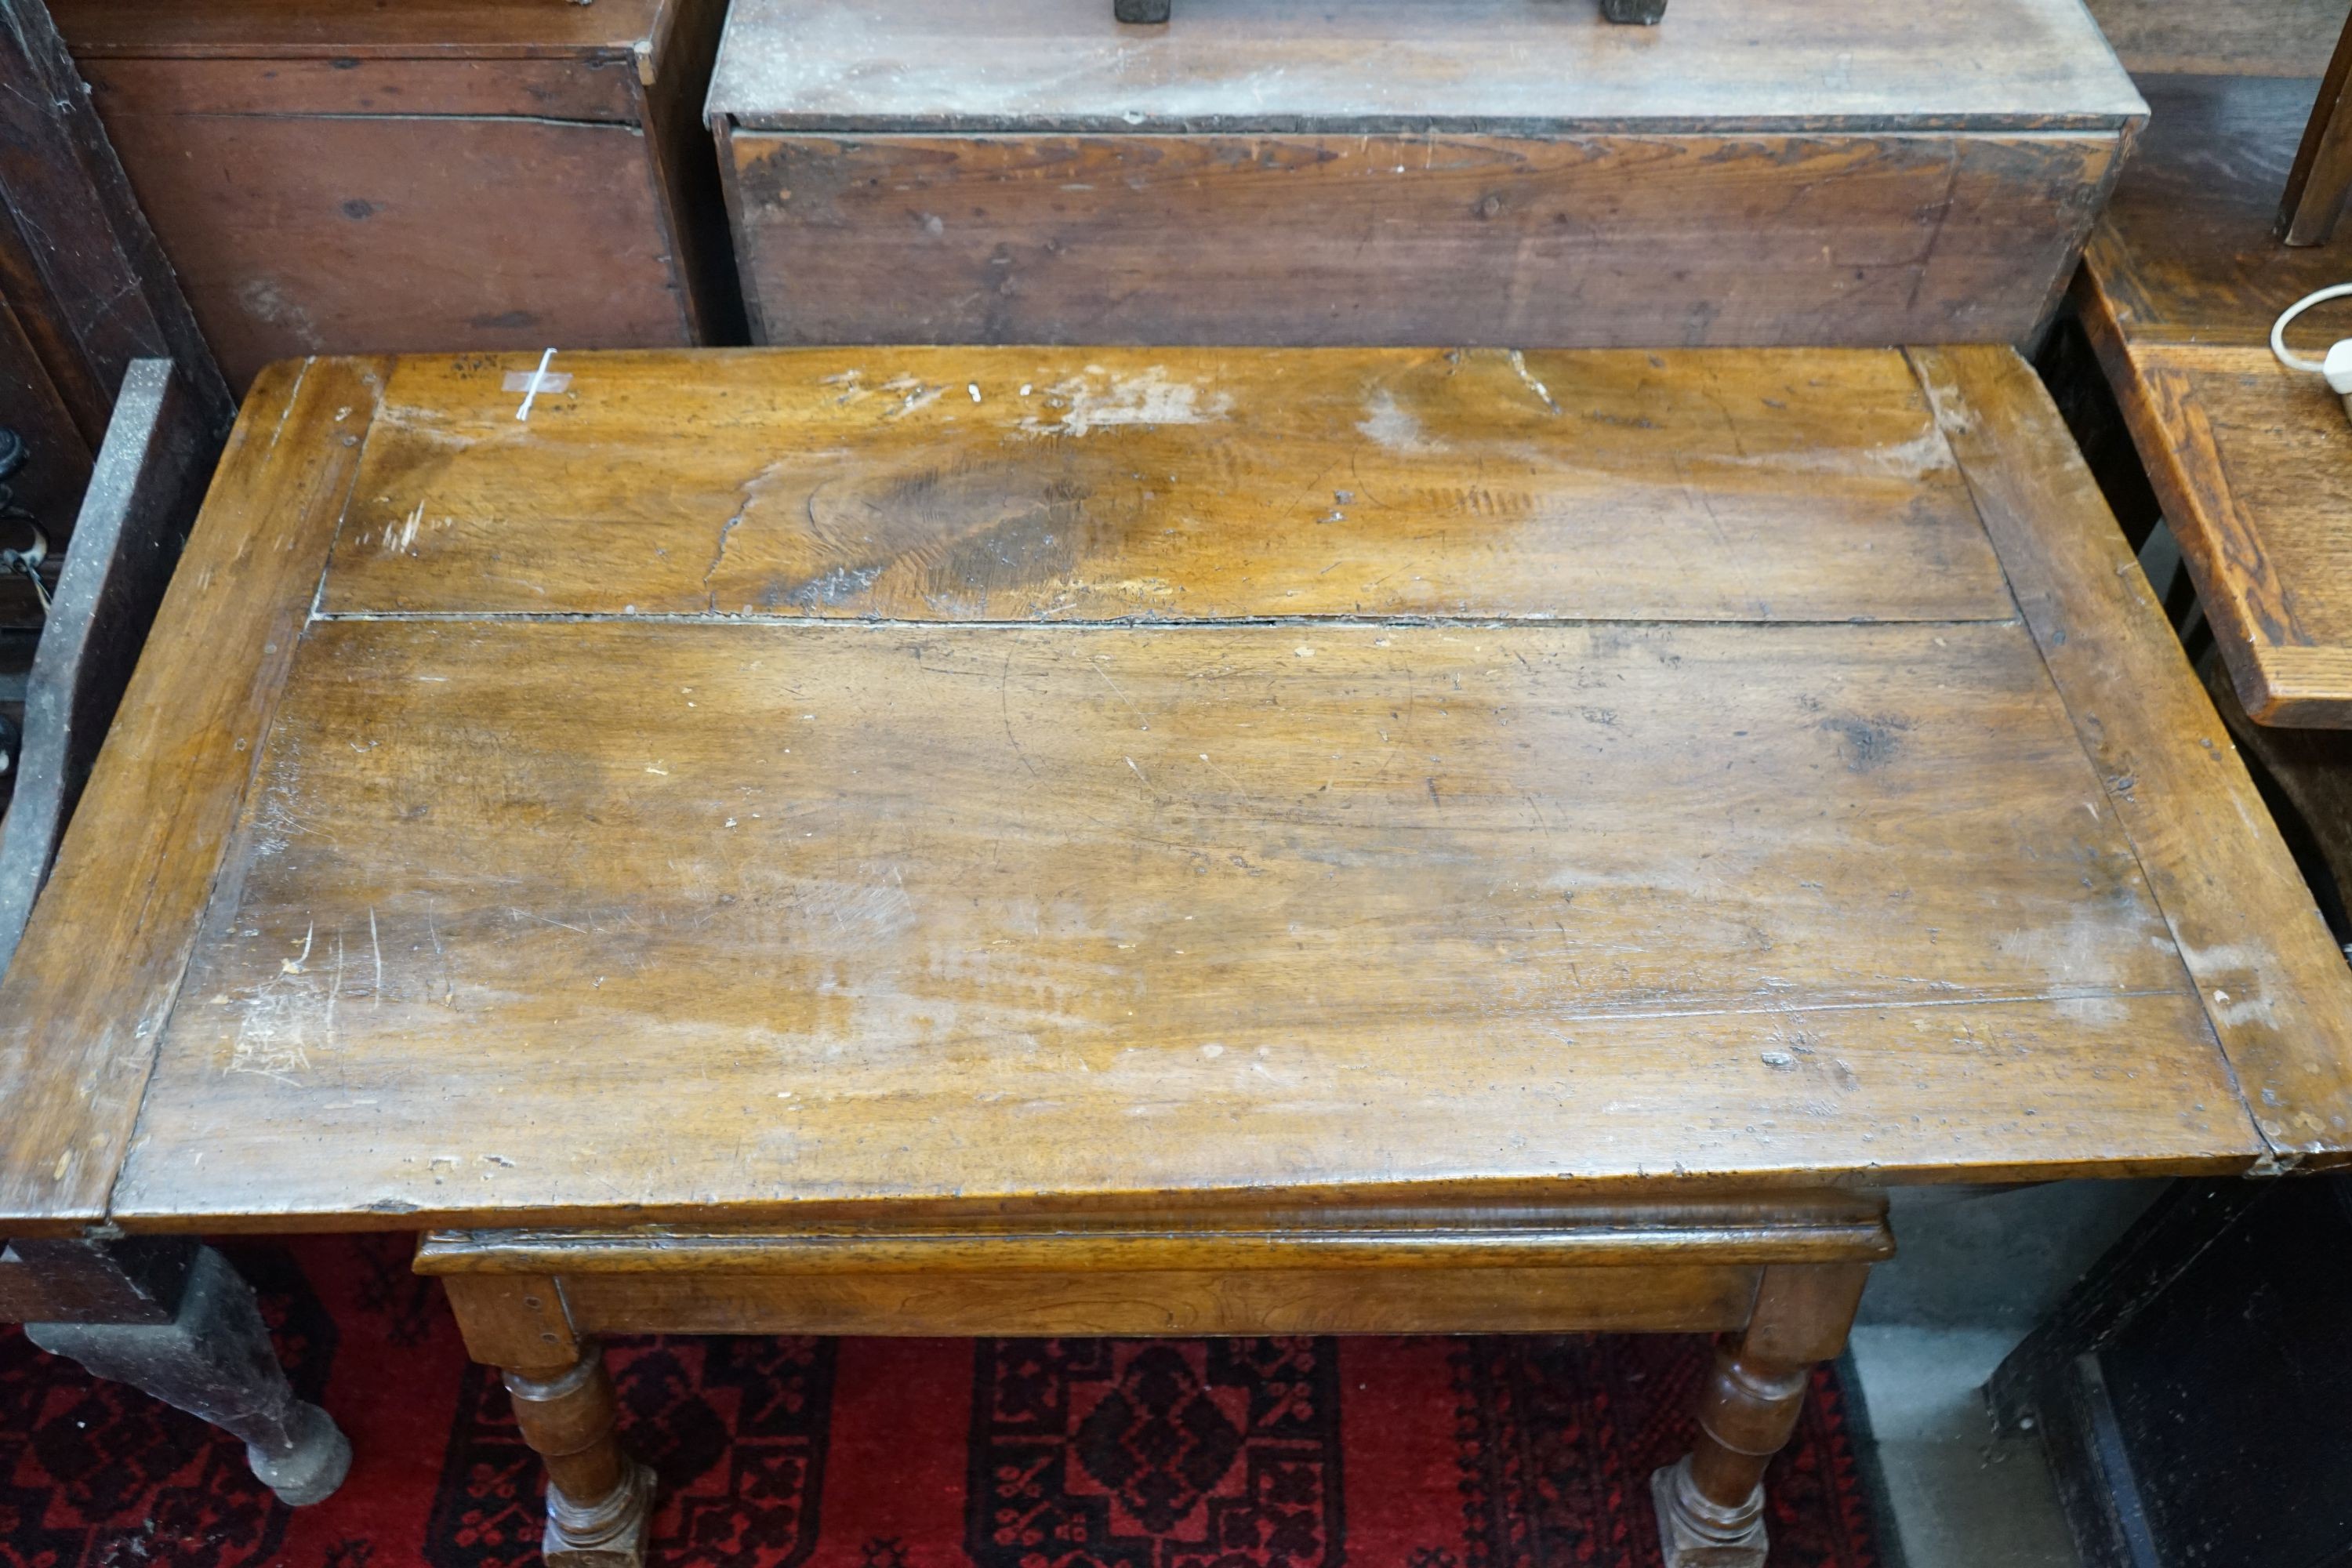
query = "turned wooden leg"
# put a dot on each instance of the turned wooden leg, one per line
(172, 1319)
(599, 1500)
(1710, 1502)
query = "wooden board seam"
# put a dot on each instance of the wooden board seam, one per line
(1559, 128)
(169, 1003)
(2274, 1158)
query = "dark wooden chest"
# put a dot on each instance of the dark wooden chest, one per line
(1509, 173)
(495, 173)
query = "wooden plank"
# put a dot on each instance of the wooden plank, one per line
(757, 914)
(2274, 985)
(1593, 239)
(556, 89)
(1278, 66)
(294, 28)
(1679, 1300)
(83, 1003)
(2174, 37)
(2250, 462)
(386, 235)
(1167, 485)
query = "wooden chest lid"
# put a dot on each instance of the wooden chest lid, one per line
(1371, 65)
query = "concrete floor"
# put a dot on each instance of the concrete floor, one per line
(1974, 1272)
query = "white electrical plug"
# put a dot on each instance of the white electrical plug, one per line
(2338, 366)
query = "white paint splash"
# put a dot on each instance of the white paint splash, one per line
(1394, 426)
(1100, 400)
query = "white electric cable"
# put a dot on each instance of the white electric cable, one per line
(2278, 329)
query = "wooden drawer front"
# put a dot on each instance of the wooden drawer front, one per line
(1596, 240)
(298, 234)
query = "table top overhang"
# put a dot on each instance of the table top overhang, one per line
(952, 781)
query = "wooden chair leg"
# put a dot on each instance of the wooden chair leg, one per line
(1710, 1502)
(599, 1500)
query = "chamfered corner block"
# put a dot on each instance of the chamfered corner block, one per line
(1500, 173)
(504, 174)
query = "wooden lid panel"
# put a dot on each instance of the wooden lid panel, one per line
(1019, 484)
(562, 917)
(1522, 65)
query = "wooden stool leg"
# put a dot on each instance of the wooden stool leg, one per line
(1710, 1502)
(598, 1498)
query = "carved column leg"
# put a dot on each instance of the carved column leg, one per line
(1710, 1502)
(599, 1500)
(203, 1349)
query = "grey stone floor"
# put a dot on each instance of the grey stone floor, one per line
(1975, 1270)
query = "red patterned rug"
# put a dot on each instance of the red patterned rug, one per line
(1306, 1453)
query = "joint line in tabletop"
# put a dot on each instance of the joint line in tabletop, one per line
(1141, 623)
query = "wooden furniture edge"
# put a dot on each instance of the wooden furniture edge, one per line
(85, 1002)
(723, 126)
(1801, 1229)
(2256, 632)
(673, 78)
(2275, 989)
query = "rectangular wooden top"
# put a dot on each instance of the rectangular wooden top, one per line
(1532, 66)
(942, 781)
(2181, 281)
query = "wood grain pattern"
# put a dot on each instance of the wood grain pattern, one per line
(2250, 462)
(507, 174)
(2279, 995)
(2176, 37)
(1689, 1298)
(606, 916)
(298, 28)
(393, 235)
(1405, 65)
(2187, 251)
(2181, 281)
(557, 89)
(87, 995)
(1167, 485)
(1791, 1228)
(1593, 239)
(928, 907)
